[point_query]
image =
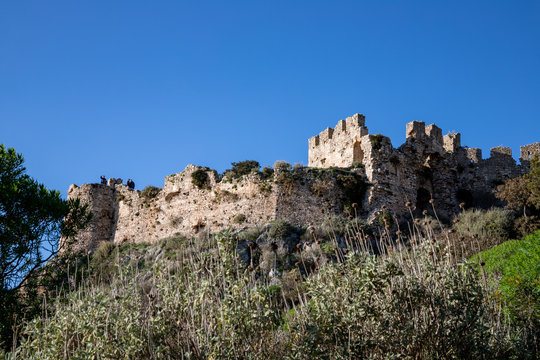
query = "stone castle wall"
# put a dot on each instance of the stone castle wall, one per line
(428, 166)
(339, 146)
(428, 171)
(181, 208)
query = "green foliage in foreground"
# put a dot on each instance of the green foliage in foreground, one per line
(515, 266)
(207, 304)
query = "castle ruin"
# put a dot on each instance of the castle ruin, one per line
(428, 170)
(427, 166)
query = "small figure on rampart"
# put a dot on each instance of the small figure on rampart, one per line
(103, 180)
(130, 184)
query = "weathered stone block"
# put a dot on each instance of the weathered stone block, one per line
(452, 141)
(416, 130)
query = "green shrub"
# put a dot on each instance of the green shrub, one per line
(265, 188)
(207, 305)
(280, 229)
(150, 192)
(489, 226)
(386, 219)
(199, 178)
(242, 168)
(173, 243)
(267, 173)
(335, 225)
(376, 141)
(103, 252)
(250, 234)
(282, 166)
(239, 218)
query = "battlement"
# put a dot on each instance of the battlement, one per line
(500, 152)
(529, 151)
(415, 130)
(452, 141)
(335, 146)
(353, 125)
(474, 154)
(428, 170)
(435, 133)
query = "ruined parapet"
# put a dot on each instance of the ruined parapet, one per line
(338, 146)
(501, 156)
(499, 167)
(500, 152)
(435, 133)
(101, 203)
(415, 130)
(474, 154)
(529, 151)
(452, 141)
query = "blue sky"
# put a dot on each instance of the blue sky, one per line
(140, 89)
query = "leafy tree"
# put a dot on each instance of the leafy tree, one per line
(32, 221)
(522, 192)
(533, 178)
(516, 193)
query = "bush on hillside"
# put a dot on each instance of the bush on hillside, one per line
(408, 305)
(490, 227)
(199, 178)
(282, 166)
(280, 229)
(267, 173)
(150, 192)
(242, 168)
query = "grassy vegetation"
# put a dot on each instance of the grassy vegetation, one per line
(515, 268)
(197, 299)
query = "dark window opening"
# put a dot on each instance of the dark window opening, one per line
(422, 200)
(465, 197)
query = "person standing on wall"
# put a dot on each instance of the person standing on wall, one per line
(130, 184)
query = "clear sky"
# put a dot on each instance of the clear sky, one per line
(140, 89)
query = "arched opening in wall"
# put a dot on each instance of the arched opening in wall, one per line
(464, 197)
(422, 200)
(358, 154)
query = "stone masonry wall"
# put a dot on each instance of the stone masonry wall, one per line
(428, 166)
(339, 146)
(428, 171)
(181, 208)
(101, 203)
